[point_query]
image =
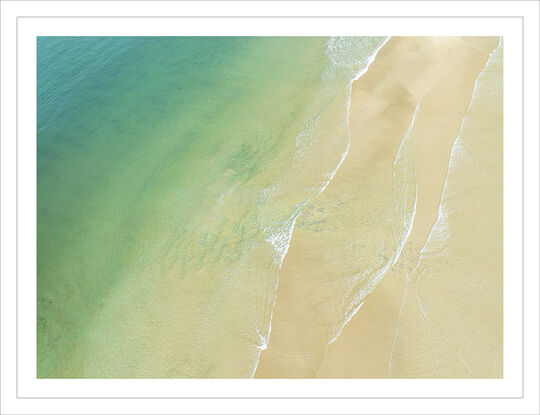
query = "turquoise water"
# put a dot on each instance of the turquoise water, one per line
(170, 173)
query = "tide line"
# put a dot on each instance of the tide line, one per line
(330, 177)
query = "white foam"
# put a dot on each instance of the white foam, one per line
(456, 155)
(400, 154)
(409, 229)
(339, 51)
(371, 59)
(348, 318)
(280, 237)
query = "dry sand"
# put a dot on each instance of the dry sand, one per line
(403, 329)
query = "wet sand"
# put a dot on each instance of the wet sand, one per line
(420, 320)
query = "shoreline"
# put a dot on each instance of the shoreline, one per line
(383, 109)
(295, 216)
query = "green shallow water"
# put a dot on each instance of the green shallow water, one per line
(170, 173)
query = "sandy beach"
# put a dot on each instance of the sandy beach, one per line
(282, 207)
(435, 312)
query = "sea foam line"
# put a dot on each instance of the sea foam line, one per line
(385, 269)
(399, 153)
(440, 214)
(299, 207)
(331, 175)
(371, 59)
(409, 229)
(272, 239)
(453, 151)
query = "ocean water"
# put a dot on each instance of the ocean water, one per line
(171, 171)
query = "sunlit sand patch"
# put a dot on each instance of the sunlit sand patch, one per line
(423, 318)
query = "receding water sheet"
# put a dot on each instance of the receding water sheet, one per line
(269, 207)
